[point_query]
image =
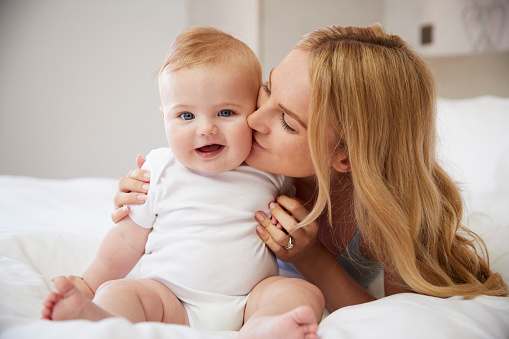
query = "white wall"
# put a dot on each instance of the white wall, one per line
(77, 97)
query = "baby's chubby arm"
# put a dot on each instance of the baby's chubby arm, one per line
(118, 253)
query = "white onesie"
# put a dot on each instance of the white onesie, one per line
(203, 245)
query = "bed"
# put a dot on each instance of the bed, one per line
(52, 227)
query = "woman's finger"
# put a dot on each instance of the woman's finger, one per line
(289, 214)
(120, 213)
(294, 206)
(133, 198)
(139, 174)
(298, 212)
(274, 237)
(276, 248)
(129, 184)
(286, 220)
(139, 161)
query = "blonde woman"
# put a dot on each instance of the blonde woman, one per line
(350, 115)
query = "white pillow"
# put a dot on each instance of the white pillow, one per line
(474, 142)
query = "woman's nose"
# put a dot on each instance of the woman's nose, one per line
(258, 121)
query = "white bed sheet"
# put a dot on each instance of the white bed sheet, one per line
(53, 227)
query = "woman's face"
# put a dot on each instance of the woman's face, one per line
(280, 141)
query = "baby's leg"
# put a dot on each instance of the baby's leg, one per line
(141, 300)
(281, 307)
(135, 300)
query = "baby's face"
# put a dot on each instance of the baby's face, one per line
(205, 114)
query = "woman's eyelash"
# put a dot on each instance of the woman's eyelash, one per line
(287, 127)
(266, 88)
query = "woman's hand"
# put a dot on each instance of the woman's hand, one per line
(312, 259)
(276, 232)
(131, 190)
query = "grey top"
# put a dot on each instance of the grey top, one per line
(363, 270)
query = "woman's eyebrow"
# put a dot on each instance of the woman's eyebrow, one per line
(293, 115)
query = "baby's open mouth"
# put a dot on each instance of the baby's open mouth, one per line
(209, 151)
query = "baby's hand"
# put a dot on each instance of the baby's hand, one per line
(82, 286)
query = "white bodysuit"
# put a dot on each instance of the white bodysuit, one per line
(203, 245)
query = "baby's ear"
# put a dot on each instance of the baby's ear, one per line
(341, 162)
(162, 113)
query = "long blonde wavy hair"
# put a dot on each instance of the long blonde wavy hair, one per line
(378, 98)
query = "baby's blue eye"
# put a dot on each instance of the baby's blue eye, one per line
(186, 116)
(225, 113)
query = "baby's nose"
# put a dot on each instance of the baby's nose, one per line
(207, 128)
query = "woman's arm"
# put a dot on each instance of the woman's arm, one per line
(321, 269)
(118, 253)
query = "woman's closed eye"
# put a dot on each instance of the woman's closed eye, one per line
(287, 127)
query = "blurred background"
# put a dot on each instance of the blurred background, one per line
(77, 93)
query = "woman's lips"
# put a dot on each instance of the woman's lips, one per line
(209, 151)
(256, 144)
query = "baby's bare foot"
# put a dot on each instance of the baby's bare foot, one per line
(48, 305)
(69, 303)
(297, 324)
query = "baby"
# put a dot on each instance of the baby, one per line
(202, 263)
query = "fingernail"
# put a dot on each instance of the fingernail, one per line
(260, 230)
(272, 205)
(147, 175)
(125, 208)
(259, 216)
(142, 197)
(145, 187)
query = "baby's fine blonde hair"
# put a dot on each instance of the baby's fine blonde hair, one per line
(203, 45)
(378, 98)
